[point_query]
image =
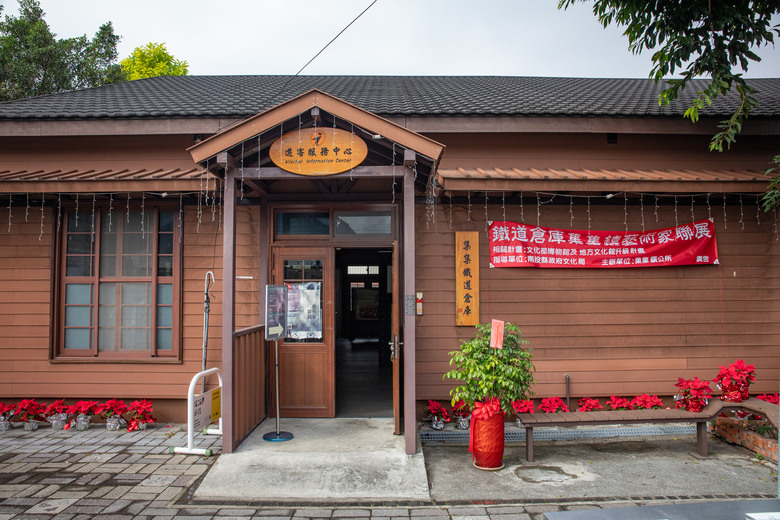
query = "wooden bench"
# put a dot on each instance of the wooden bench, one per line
(709, 413)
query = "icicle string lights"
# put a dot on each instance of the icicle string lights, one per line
(741, 212)
(27, 209)
(43, 217)
(181, 215)
(110, 210)
(642, 210)
(10, 216)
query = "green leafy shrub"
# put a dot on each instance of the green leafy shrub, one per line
(506, 373)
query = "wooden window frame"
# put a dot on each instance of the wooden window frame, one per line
(332, 238)
(61, 280)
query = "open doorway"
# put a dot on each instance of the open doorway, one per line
(363, 299)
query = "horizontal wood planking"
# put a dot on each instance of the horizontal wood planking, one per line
(613, 331)
(25, 314)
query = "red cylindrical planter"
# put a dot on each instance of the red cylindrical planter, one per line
(487, 442)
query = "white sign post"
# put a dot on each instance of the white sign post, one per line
(202, 411)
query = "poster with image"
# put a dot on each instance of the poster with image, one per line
(304, 310)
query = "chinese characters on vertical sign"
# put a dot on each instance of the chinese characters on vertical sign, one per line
(466, 278)
(519, 245)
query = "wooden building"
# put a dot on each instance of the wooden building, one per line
(116, 202)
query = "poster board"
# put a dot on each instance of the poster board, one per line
(304, 310)
(275, 311)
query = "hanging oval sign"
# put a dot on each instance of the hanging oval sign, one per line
(318, 151)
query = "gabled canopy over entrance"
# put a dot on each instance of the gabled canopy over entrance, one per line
(245, 147)
(246, 156)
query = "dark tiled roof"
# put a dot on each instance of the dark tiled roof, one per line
(241, 96)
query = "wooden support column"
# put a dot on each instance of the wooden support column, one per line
(409, 316)
(228, 310)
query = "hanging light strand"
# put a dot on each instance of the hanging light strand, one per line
(43, 217)
(642, 210)
(10, 216)
(110, 210)
(741, 212)
(59, 212)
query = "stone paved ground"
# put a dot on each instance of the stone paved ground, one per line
(79, 475)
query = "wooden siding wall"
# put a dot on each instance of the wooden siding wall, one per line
(25, 314)
(613, 331)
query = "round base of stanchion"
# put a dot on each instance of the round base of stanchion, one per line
(277, 437)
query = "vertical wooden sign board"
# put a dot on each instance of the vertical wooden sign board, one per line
(466, 278)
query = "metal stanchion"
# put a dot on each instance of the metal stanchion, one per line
(277, 436)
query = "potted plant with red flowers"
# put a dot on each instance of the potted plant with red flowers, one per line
(552, 405)
(490, 379)
(522, 406)
(83, 412)
(619, 403)
(140, 415)
(439, 415)
(695, 394)
(112, 411)
(586, 404)
(734, 380)
(28, 411)
(649, 402)
(462, 414)
(6, 412)
(56, 414)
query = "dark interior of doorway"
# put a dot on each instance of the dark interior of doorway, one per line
(364, 386)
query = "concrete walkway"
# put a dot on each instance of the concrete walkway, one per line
(70, 475)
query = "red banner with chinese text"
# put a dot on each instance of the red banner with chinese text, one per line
(513, 244)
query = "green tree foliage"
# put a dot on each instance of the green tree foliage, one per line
(504, 373)
(700, 38)
(34, 62)
(152, 60)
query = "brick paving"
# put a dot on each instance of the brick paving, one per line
(79, 475)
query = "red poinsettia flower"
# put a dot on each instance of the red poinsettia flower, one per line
(737, 373)
(460, 409)
(619, 403)
(523, 406)
(140, 412)
(552, 404)
(57, 407)
(769, 398)
(647, 401)
(586, 404)
(28, 409)
(7, 410)
(437, 410)
(83, 407)
(111, 408)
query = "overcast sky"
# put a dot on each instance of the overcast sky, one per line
(395, 37)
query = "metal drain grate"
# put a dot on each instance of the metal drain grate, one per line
(560, 434)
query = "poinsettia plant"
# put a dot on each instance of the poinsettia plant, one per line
(7, 411)
(111, 408)
(487, 373)
(769, 398)
(695, 394)
(734, 380)
(552, 405)
(140, 412)
(586, 404)
(56, 408)
(647, 401)
(28, 410)
(83, 408)
(461, 409)
(523, 406)
(619, 403)
(437, 410)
